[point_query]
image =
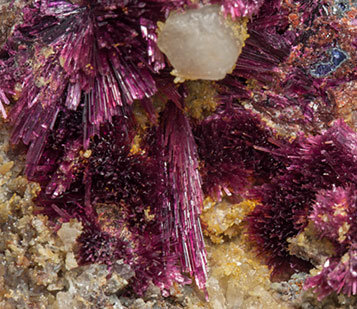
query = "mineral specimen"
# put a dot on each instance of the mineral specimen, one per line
(126, 158)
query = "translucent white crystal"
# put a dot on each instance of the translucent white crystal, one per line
(71, 261)
(69, 232)
(199, 44)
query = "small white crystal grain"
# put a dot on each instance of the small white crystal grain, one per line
(199, 44)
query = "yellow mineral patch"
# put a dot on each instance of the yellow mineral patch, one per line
(340, 209)
(345, 258)
(201, 100)
(140, 115)
(160, 26)
(87, 153)
(41, 81)
(237, 279)
(18, 90)
(142, 120)
(89, 66)
(239, 28)
(62, 61)
(135, 146)
(342, 231)
(148, 215)
(6, 167)
(252, 84)
(224, 219)
(47, 51)
(178, 79)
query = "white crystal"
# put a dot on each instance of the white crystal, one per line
(69, 232)
(71, 261)
(199, 43)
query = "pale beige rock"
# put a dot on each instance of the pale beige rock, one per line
(71, 261)
(69, 232)
(237, 279)
(200, 44)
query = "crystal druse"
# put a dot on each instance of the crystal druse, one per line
(247, 166)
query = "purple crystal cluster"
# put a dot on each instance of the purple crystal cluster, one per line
(234, 147)
(313, 166)
(93, 54)
(77, 67)
(73, 73)
(239, 8)
(334, 214)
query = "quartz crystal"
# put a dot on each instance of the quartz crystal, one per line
(200, 44)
